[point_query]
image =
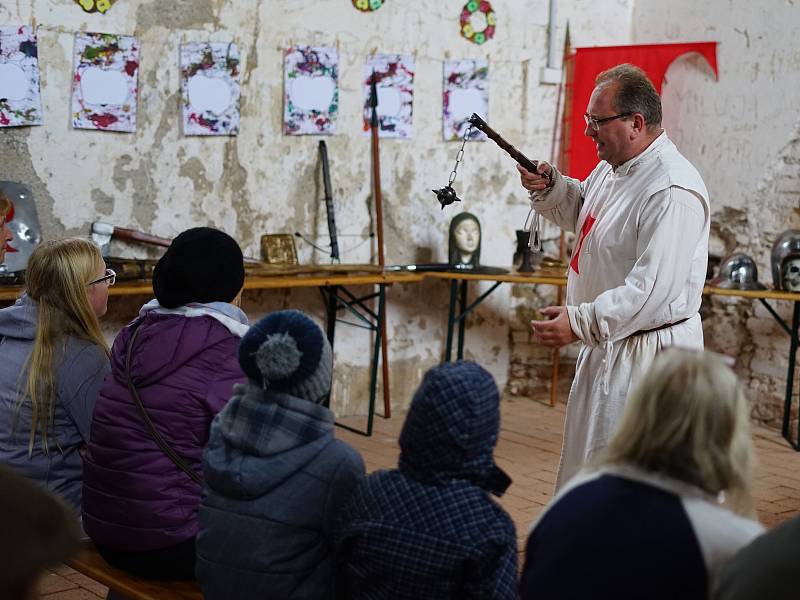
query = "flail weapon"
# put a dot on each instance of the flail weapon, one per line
(447, 194)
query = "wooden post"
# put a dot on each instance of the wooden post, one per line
(562, 160)
(376, 194)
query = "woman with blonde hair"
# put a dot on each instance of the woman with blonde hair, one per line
(6, 212)
(54, 362)
(657, 517)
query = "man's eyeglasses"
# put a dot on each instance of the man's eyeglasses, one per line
(110, 277)
(594, 124)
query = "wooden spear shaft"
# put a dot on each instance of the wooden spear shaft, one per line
(376, 194)
(565, 88)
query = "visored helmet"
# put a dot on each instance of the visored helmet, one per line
(738, 272)
(786, 261)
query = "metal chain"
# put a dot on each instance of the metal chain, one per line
(460, 155)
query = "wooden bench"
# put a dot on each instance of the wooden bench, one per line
(91, 564)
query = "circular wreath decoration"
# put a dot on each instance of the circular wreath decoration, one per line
(368, 5)
(468, 31)
(91, 6)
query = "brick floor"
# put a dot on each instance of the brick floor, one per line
(528, 449)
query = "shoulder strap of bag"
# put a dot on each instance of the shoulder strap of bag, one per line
(165, 448)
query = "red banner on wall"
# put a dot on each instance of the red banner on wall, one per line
(588, 63)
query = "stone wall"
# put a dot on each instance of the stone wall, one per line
(743, 134)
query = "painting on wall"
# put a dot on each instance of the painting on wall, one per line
(466, 91)
(394, 79)
(311, 90)
(104, 82)
(210, 88)
(20, 99)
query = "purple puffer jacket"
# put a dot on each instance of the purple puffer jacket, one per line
(184, 368)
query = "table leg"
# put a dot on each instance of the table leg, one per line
(554, 377)
(462, 307)
(787, 405)
(376, 356)
(330, 309)
(331, 297)
(451, 319)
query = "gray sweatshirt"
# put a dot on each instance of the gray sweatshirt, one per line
(80, 369)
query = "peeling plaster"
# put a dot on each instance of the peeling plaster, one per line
(262, 181)
(102, 201)
(176, 14)
(194, 170)
(15, 158)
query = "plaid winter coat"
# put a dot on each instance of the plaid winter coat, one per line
(429, 529)
(276, 479)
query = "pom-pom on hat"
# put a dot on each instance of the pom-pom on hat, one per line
(286, 351)
(201, 265)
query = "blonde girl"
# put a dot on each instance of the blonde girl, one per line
(54, 359)
(670, 501)
(690, 421)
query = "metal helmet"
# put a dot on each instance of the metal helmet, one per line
(786, 261)
(24, 225)
(738, 272)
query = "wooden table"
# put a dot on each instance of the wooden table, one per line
(458, 311)
(762, 296)
(335, 288)
(335, 285)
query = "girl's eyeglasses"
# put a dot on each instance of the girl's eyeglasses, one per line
(110, 277)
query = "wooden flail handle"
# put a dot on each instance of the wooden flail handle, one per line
(524, 161)
(131, 235)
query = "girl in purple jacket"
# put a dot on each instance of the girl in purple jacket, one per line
(173, 369)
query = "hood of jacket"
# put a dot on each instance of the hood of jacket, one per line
(451, 428)
(260, 439)
(19, 320)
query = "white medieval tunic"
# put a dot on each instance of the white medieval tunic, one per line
(639, 264)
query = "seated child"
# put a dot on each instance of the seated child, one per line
(648, 523)
(54, 360)
(172, 371)
(429, 529)
(276, 477)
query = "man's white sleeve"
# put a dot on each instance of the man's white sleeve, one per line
(561, 202)
(670, 227)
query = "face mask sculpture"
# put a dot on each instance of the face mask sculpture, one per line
(786, 261)
(464, 241)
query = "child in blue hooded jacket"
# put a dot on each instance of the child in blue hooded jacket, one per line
(276, 477)
(429, 528)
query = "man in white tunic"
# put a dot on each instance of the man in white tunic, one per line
(637, 271)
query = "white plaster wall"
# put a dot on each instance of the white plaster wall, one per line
(262, 181)
(742, 134)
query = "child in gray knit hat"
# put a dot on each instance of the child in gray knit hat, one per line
(276, 477)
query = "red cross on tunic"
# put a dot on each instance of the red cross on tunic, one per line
(587, 227)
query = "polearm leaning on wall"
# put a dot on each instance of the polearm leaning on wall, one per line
(376, 194)
(636, 275)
